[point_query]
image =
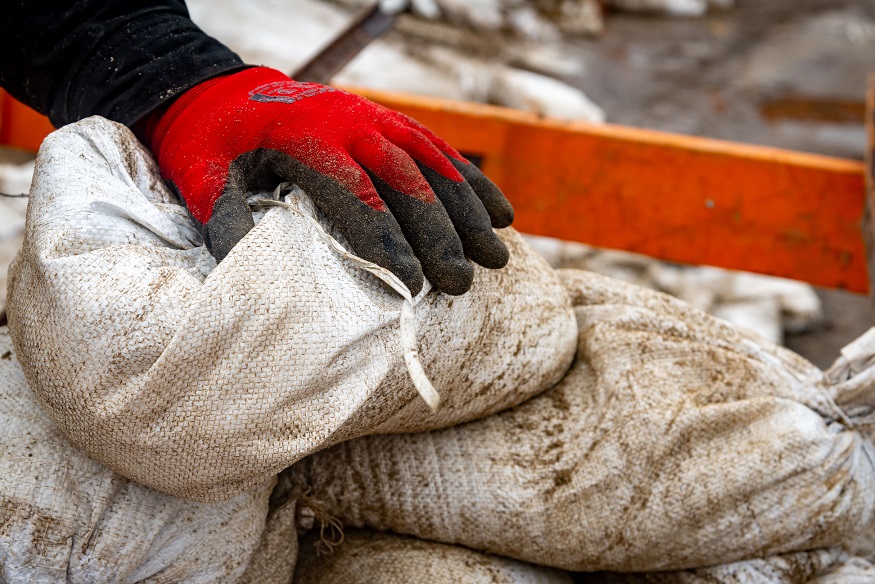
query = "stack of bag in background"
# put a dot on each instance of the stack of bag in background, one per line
(584, 424)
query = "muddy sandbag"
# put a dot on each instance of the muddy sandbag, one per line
(365, 557)
(848, 570)
(67, 518)
(276, 554)
(202, 380)
(815, 567)
(675, 441)
(794, 568)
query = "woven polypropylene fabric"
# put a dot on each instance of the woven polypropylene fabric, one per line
(65, 517)
(815, 567)
(793, 568)
(202, 380)
(848, 570)
(674, 442)
(366, 557)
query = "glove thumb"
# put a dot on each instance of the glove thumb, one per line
(230, 221)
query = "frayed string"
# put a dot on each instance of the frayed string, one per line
(330, 527)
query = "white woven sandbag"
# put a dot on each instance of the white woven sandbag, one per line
(848, 570)
(815, 567)
(203, 381)
(794, 568)
(674, 442)
(67, 518)
(276, 554)
(366, 557)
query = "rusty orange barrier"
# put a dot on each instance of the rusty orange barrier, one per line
(678, 198)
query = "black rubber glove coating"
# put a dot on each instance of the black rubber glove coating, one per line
(413, 239)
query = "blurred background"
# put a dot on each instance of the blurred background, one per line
(785, 73)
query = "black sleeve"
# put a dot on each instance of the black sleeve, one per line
(116, 58)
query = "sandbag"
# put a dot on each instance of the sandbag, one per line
(814, 567)
(848, 570)
(674, 442)
(67, 518)
(201, 380)
(366, 557)
(276, 554)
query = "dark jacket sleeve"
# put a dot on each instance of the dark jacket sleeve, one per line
(116, 58)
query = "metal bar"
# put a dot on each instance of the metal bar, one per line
(869, 218)
(372, 23)
(679, 198)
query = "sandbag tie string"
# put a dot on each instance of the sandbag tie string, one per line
(309, 511)
(407, 321)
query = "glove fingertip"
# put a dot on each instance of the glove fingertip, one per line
(487, 250)
(500, 213)
(412, 278)
(453, 277)
(496, 204)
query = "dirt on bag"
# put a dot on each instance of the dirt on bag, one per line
(674, 442)
(66, 517)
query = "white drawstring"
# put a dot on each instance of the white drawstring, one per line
(407, 323)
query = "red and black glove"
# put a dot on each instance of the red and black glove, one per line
(396, 191)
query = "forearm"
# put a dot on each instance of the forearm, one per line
(116, 58)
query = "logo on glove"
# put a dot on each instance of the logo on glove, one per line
(287, 91)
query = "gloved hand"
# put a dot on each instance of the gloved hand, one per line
(396, 191)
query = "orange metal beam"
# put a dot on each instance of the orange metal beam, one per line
(678, 198)
(869, 215)
(20, 126)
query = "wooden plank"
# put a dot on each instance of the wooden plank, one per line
(679, 198)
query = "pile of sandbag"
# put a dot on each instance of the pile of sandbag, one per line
(541, 19)
(455, 59)
(560, 419)
(364, 557)
(532, 19)
(815, 567)
(765, 305)
(674, 442)
(673, 7)
(203, 381)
